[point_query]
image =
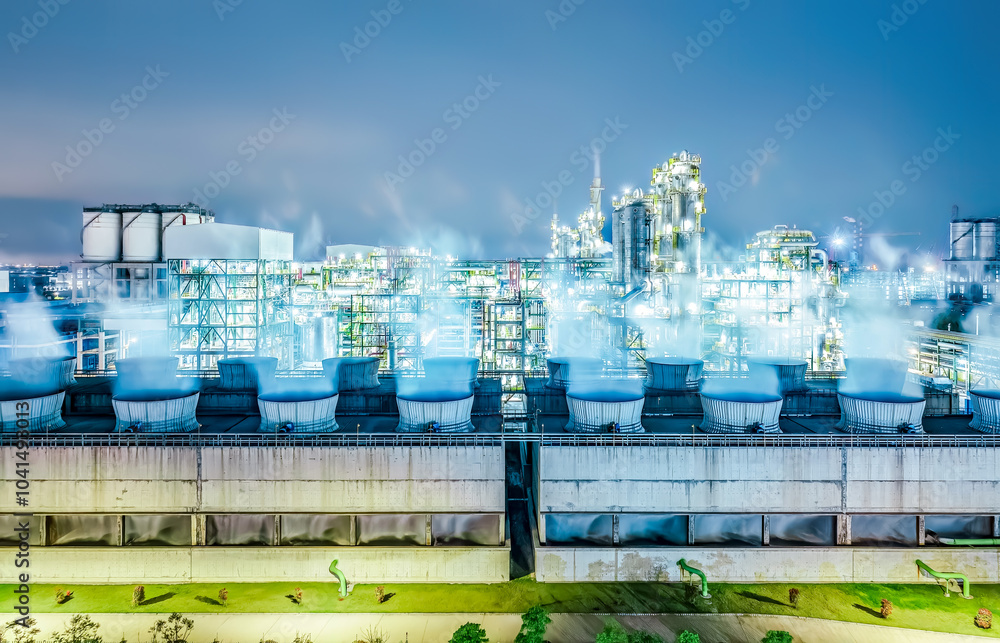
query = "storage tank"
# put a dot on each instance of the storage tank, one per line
(985, 242)
(961, 239)
(102, 236)
(141, 235)
(318, 337)
(187, 216)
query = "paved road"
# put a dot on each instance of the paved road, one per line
(501, 628)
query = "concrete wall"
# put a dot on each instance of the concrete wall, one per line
(264, 564)
(763, 564)
(769, 480)
(260, 480)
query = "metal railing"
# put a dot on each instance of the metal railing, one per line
(347, 439)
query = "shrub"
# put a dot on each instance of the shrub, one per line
(984, 619)
(793, 597)
(613, 632)
(687, 636)
(469, 633)
(533, 624)
(20, 633)
(886, 609)
(297, 596)
(138, 595)
(302, 638)
(175, 629)
(224, 596)
(373, 635)
(379, 594)
(642, 636)
(777, 636)
(80, 629)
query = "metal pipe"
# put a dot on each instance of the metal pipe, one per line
(947, 576)
(697, 572)
(974, 542)
(340, 577)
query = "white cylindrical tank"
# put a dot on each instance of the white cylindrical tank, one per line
(102, 236)
(961, 239)
(986, 240)
(141, 236)
(171, 219)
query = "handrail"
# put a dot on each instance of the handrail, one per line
(948, 576)
(970, 542)
(697, 572)
(63, 439)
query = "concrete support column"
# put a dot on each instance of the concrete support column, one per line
(502, 536)
(276, 540)
(541, 528)
(615, 540)
(43, 531)
(428, 535)
(354, 530)
(691, 520)
(921, 531)
(996, 526)
(121, 530)
(843, 529)
(766, 536)
(198, 529)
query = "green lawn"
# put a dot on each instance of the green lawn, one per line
(916, 606)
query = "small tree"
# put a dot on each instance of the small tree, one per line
(687, 636)
(886, 609)
(613, 632)
(19, 633)
(469, 633)
(138, 595)
(793, 597)
(379, 594)
(62, 596)
(777, 636)
(224, 597)
(533, 624)
(297, 596)
(175, 629)
(984, 619)
(81, 629)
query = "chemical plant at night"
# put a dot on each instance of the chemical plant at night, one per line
(595, 415)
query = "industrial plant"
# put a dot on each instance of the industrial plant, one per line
(205, 407)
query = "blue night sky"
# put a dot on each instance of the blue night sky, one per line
(552, 83)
